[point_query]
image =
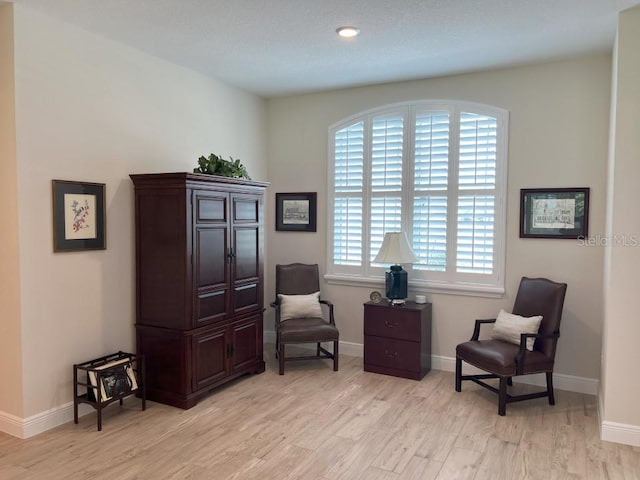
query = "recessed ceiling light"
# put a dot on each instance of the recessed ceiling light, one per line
(348, 32)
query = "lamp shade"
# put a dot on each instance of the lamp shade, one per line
(395, 249)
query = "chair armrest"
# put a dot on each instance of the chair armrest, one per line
(276, 306)
(522, 351)
(476, 329)
(330, 305)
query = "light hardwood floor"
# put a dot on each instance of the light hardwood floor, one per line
(316, 424)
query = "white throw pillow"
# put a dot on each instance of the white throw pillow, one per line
(300, 306)
(508, 327)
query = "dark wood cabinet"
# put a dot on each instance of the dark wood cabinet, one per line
(397, 339)
(199, 282)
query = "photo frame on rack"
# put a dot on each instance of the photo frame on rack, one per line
(296, 212)
(78, 216)
(554, 213)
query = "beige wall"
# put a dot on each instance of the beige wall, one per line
(10, 335)
(620, 384)
(90, 109)
(558, 138)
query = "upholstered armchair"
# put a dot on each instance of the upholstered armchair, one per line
(517, 346)
(299, 316)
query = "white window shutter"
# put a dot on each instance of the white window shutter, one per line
(347, 231)
(386, 216)
(386, 153)
(431, 151)
(435, 170)
(475, 242)
(348, 223)
(477, 162)
(349, 159)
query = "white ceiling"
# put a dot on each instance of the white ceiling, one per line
(280, 47)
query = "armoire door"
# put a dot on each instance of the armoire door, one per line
(246, 341)
(210, 357)
(246, 246)
(211, 252)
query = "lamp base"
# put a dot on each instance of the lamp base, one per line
(397, 302)
(396, 285)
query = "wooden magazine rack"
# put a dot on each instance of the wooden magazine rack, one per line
(108, 379)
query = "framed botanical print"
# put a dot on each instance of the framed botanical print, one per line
(78, 216)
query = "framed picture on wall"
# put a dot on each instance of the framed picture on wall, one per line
(554, 212)
(78, 216)
(296, 212)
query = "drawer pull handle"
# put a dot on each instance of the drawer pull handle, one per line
(391, 324)
(389, 354)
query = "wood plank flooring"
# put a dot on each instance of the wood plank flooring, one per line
(316, 424)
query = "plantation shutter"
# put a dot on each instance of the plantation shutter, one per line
(477, 194)
(435, 170)
(348, 195)
(386, 178)
(431, 177)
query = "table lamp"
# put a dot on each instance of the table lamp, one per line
(396, 250)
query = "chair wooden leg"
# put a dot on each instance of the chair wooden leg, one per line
(552, 400)
(458, 374)
(281, 359)
(318, 349)
(335, 356)
(277, 344)
(502, 397)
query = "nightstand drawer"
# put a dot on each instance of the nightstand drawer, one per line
(392, 353)
(392, 322)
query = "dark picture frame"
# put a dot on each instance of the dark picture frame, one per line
(296, 212)
(78, 216)
(554, 213)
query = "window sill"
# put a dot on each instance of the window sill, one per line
(465, 289)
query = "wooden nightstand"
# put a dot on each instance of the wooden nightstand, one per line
(397, 340)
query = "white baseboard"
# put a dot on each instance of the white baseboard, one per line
(617, 432)
(11, 424)
(40, 422)
(352, 349)
(620, 433)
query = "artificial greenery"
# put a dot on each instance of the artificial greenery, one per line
(216, 165)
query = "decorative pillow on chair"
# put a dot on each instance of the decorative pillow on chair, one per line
(508, 327)
(300, 306)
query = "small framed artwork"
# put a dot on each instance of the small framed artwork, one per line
(296, 212)
(554, 212)
(78, 216)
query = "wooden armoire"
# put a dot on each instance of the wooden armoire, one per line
(199, 282)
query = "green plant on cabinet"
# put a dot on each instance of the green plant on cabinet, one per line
(216, 165)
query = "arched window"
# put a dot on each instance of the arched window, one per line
(433, 169)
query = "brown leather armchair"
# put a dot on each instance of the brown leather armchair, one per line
(302, 279)
(536, 296)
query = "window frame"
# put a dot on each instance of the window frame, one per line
(427, 281)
